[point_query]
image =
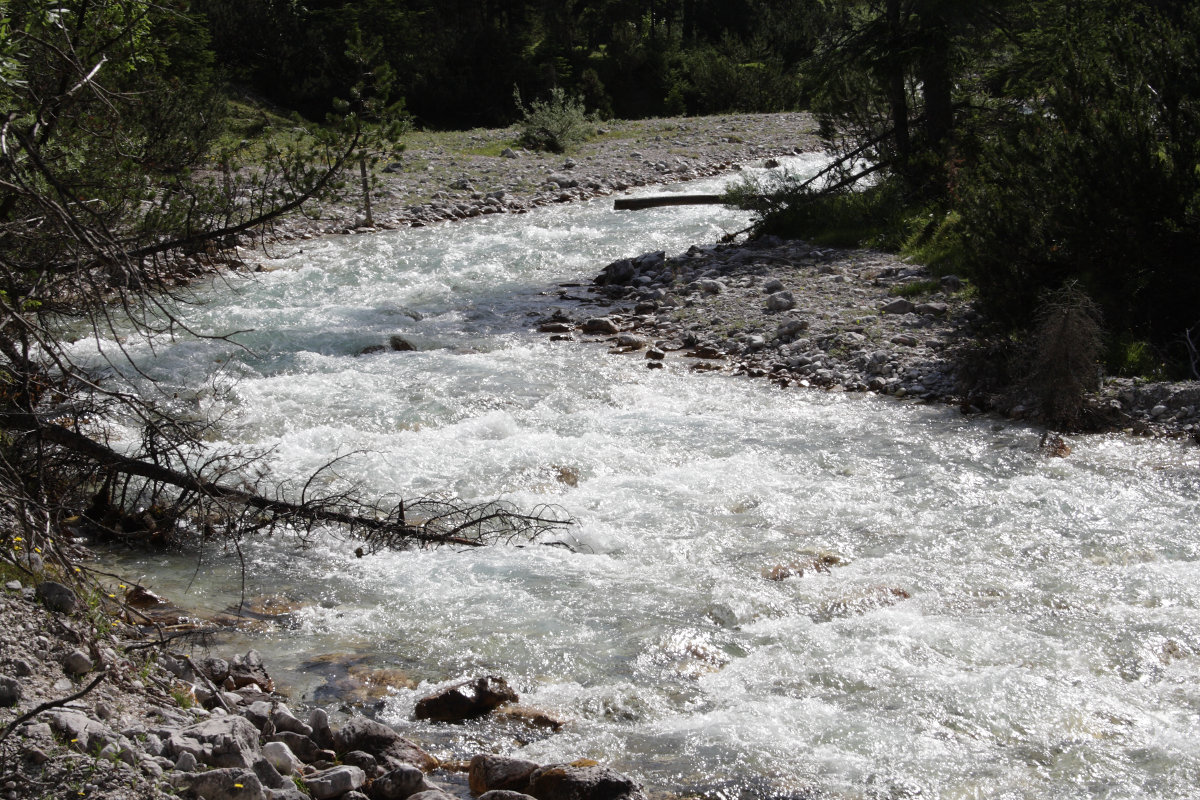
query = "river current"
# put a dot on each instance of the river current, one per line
(1000, 624)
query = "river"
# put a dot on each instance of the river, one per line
(998, 624)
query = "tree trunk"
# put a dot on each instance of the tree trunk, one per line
(366, 190)
(638, 203)
(937, 85)
(897, 92)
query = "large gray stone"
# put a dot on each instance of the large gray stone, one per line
(398, 784)
(226, 784)
(289, 792)
(281, 757)
(781, 301)
(334, 782)
(248, 670)
(600, 325)
(270, 777)
(388, 747)
(10, 691)
(77, 662)
(303, 747)
(322, 734)
(57, 597)
(898, 306)
(284, 720)
(228, 741)
(81, 731)
(936, 309)
(364, 761)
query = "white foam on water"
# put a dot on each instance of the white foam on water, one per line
(1004, 625)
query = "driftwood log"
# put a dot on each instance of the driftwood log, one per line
(638, 203)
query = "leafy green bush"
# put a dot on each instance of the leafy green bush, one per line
(732, 77)
(555, 124)
(1135, 358)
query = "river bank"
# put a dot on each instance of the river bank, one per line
(89, 708)
(852, 320)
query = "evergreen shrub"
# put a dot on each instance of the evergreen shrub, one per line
(556, 124)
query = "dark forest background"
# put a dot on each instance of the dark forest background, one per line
(457, 62)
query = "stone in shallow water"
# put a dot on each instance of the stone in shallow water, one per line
(467, 700)
(599, 325)
(571, 782)
(398, 784)
(387, 746)
(490, 772)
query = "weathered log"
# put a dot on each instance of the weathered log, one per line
(638, 203)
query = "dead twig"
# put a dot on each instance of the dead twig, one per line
(49, 704)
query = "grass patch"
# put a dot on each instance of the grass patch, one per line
(491, 149)
(182, 698)
(881, 217)
(916, 289)
(252, 129)
(935, 240)
(869, 218)
(1135, 358)
(10, 573)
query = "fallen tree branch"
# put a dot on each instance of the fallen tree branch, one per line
(440, 522)
(49, 704)
(639, 203)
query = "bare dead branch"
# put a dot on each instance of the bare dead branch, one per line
(49, 704)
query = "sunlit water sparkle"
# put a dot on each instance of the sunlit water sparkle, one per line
(1005, 625)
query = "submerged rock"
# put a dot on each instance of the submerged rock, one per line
(592, 782)
(466, 700)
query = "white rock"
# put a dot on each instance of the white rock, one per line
(281, 757)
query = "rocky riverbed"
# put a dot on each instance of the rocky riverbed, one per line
(89, 708)
(452, 176)
(808, 317)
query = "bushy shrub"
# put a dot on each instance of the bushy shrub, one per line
(1066, 344)
(712, 80)
(555, 124)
